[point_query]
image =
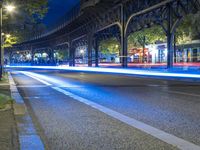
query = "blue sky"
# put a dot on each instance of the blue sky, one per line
(57, 8)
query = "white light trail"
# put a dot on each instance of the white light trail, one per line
(114, 70)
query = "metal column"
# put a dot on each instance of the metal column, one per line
(32, 56)
(124, 52)
(51, 52)
(71, 55)
(10, 57)
(170, 37)
(89, 40)
(96, 52)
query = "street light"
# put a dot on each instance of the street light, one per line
(82, 53)
(9, 8)
(8, 35)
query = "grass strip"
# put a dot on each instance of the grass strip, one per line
(5, 100)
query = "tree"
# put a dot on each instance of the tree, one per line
(110, 46)
(27, 20)
(144, 37)
(189, 29)
(151, 35)
(196, 25)
(9, 41)
(62, 54)
(36, 9)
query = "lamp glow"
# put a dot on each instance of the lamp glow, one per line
(81, 51)
(8, 35)
(10, 8)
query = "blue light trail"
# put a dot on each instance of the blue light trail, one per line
(114, 71)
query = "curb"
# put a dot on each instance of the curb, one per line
(27, 134)
(19, 106)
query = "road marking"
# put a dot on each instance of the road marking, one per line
(32, 97)
(31, 86)
(40, 80)
(183, 93)
(159, 134)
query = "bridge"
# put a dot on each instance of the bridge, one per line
(92, 21)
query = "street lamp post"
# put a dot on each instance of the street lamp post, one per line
(1, 51)
(9, 8)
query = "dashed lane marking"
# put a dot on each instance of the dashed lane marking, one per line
(184, 93)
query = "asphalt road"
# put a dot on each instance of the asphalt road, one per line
(65, 123)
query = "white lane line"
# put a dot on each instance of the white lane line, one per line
(166, 137)
(31, 86)
(183, 93)
(40, 80)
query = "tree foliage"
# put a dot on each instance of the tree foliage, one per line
(146, 36)
(110, 46)
(36, 9)
(62, 54)
(9, 41)
(189, 29)
(26, 20)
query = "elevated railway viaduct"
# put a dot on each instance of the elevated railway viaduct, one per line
(94, 20)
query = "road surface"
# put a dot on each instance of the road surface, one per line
(76, 110)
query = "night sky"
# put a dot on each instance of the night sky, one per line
(57, 8)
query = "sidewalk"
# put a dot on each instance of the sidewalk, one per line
(8, 128)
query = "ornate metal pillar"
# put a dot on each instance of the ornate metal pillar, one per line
(71, 55)
(51, 56)
(124, 51)
(10, 57)
(32, 56)
(170, 37)
(96, 52)
(90, 45)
